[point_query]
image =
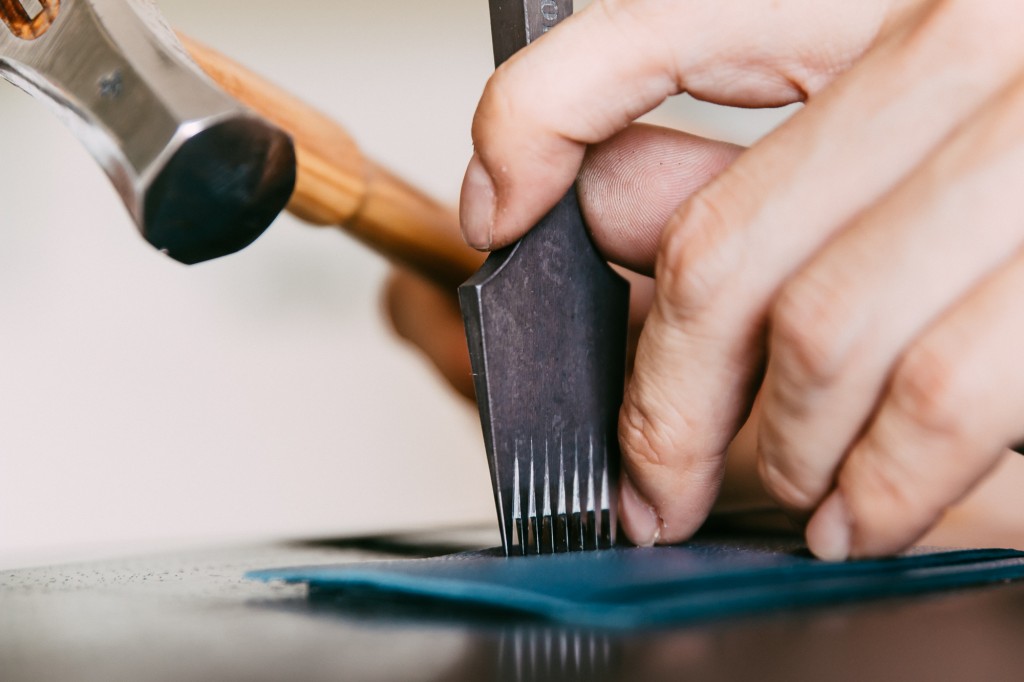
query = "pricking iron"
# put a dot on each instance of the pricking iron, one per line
(546, 321)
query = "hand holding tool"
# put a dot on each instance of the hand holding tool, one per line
(546, 320)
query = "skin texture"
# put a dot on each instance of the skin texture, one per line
(857, 271)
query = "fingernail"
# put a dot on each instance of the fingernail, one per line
(828, 533)
(639, 519)
(476, 208)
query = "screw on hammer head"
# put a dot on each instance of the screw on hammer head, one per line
(201, 175)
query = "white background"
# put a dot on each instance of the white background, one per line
(147, 404)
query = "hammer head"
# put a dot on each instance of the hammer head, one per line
(219, 190)
(201, 175)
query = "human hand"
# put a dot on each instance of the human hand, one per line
(622, 188)
(622, 191)
(861, 264)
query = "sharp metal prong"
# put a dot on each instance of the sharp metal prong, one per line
(547, 544)
(533, 536)
(561, 520)
(597, 452)
(575, 531)
(607, 529)
(590, 517)
(504, 516)
(545, 515)
(517, 504)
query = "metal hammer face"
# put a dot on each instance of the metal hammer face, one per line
(201, 175)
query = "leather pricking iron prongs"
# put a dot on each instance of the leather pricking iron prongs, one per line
(546, 321)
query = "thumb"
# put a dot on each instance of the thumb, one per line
(544, 105)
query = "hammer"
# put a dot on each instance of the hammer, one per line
(204, 153)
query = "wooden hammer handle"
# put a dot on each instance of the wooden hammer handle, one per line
(337, 185)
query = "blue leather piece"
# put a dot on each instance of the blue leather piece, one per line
(634, 587)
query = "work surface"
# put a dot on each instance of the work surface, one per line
(191, 616)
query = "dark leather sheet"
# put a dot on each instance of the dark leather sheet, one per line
(634, 587)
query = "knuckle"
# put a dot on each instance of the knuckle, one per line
(697, 256)
(786, 477)
(882, 477)
(659, 443)
(784, 488)
(795, 467)
(930, 391)
(792, 480)
(654, 434)
(496, 109)
(644, 438)
(808, 328)
(885, 498)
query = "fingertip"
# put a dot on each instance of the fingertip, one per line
(829, 531)
(477, 205)
(673, 438)
(639, 519)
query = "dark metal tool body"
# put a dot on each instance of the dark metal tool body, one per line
(546, 320)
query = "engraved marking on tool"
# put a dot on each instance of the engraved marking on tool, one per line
(549, 15)
(111, 85)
